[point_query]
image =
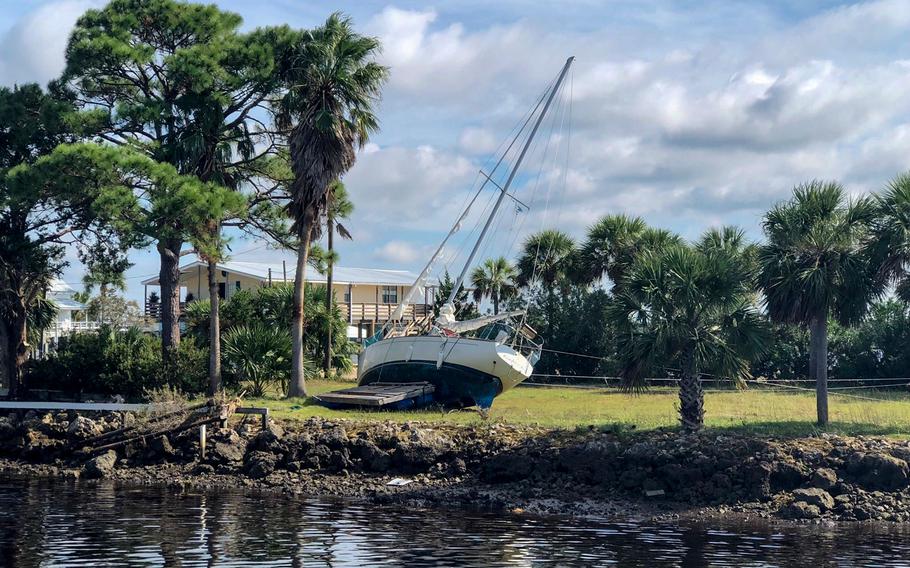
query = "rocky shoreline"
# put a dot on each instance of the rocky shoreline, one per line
(658, 474)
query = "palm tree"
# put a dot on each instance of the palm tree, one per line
(815, 266)
(612, 244)
(494, 279)
(890, 247)
(690, 307)
(547, 258)
(333, 85)
(338, 206)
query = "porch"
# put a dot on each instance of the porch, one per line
(354, 313)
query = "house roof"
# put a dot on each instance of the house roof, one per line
(61, 294)
(67, 304)
(341, 274)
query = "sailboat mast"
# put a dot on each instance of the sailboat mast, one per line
(505, 187)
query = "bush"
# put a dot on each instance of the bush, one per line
(111, 363)
(271, 308)
(259, 356)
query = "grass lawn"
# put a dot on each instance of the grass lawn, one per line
(773, 413)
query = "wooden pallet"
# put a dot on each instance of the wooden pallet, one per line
(378, 394)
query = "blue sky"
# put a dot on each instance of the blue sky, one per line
(690, 113)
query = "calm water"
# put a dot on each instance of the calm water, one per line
(50, 523)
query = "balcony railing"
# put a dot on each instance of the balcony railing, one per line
(354, 313)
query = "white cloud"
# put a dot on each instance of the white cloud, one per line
(33, 49)
(397, 252)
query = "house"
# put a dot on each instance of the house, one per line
(367, 296)
(72, 315)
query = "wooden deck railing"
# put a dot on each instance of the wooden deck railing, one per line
(351, 312)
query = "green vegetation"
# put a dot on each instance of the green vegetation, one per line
(756, 411)
(112, 363)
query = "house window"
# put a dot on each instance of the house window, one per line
(390, 294)
(237, 286)
(347, 296)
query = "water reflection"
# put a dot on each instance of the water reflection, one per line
(51, 522)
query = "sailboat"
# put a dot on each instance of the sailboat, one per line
(464, 363)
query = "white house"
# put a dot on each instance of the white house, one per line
(62, 295)
(367, 296)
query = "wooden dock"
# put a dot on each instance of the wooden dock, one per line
(377, 395)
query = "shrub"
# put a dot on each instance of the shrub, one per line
(260, 356)
(110, 363)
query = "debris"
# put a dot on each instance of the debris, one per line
(399, 482)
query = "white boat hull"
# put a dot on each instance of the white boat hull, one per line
(464, 371)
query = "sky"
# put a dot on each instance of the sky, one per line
(691, 113)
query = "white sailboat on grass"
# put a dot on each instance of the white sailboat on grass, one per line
(467, 362)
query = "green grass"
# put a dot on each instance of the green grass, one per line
(756, 411)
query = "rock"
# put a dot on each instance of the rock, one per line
(317, 457)
(82, 428)
(814, 496)
(371, 457)
(881, 472)
(260, 464)
(786, 476)
(800, 510)
(506, 468)
(823, 478)
(226, 447)
(100, 466)
(203, 469)
(269, 440)
(335, 438)
(162, 448)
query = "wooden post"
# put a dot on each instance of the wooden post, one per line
(270, 277)
(284, 269)
(265, 418)
(202, 442)
(199, 283)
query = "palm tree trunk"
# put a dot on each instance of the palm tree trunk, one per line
(327, 359)
(214, 331)
(297, 386)
(691, 395)
(169, 281)
(17, 344)
(495, 304)
(818, 364)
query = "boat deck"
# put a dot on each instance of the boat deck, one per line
(380, 395)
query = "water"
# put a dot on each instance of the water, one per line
(55, 523)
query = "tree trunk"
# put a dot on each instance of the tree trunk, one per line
(329, 297)
(495, 304)
(297, 386)
(169, 280)
(5, 354)
(214, 331)
(818, 364)
(17, 345)
(691, 395)
(103, 294)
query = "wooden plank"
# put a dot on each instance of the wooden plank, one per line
(378, 394)
(105, 406)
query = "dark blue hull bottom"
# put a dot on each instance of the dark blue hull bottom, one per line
(456, 386)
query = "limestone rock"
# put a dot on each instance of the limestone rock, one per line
(100, 466)
(83, 428)
(823, 478)
(800, 510)
(815, 496)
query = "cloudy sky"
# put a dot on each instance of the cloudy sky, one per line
(688, 113)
